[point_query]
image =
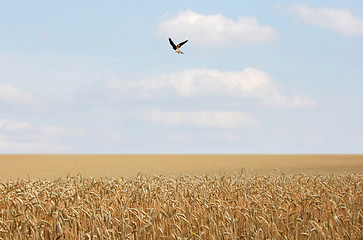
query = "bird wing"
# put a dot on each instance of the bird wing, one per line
(181, 44)
(172, 44)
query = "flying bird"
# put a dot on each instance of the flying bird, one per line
(176, 47)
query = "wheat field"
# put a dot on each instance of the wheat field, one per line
(231, 205)
(55, 166)
(238, 206)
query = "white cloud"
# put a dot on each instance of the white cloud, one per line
(112, 135)
(216, 30)
(23, 137)
(277, 100)
(13, 95)
(205, 119)
(14, 126)
(52, 132)
(10, 146)
(177, 136)
(250, 83)
(339, 20)
(224, 136)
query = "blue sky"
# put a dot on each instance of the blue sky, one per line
(256, 77)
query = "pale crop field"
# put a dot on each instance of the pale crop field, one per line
(55, 166)
(241, 205)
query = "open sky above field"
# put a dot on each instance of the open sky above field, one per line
(256, 77)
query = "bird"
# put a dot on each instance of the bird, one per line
(176, 47)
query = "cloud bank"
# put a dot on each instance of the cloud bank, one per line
(339, 20)
(249, 83)
(22, 136)
(10, 94)
(205, 119)
(216, 30)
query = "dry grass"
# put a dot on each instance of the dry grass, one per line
(232, 206)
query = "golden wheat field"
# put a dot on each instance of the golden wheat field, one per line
(55, 166)
(270, 198)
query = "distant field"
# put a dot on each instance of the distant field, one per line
(55, 166)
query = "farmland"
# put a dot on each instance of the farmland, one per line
(55, 166)
(265, 200)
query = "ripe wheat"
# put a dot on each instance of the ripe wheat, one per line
(239, 206)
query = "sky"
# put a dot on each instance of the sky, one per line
(256, 77)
